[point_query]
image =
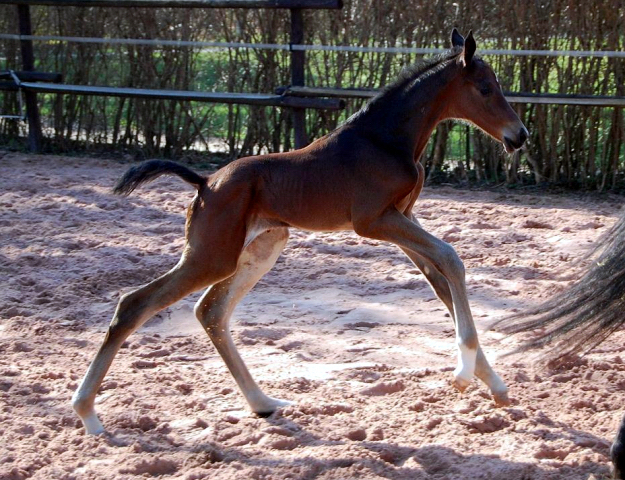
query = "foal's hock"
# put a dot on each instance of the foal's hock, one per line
(364, 176)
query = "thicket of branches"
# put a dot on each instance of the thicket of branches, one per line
(577, 146)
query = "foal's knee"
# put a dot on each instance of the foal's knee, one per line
(449, 262)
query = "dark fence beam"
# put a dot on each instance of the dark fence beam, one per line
(312, 4)
(298, 75)
(261, 99)
(298, 91)
(8, 86)
(33, 76)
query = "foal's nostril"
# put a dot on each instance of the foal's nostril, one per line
(523, 135)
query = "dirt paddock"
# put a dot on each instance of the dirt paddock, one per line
(344, 327)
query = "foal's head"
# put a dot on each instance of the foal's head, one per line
(476, 96)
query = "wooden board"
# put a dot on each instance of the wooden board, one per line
(308, 4)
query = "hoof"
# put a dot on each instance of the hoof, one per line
(92, 424)
(461, 384)
(502, 399)
(264, 414)
(269, 406)
(87, 415)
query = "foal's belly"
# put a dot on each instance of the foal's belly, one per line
(307, 208)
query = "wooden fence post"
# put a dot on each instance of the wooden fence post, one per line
(28, 65)
(298, 62)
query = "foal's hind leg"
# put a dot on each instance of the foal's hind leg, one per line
(215, 307)
(133, 310)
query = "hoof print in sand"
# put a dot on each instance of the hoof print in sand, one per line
(486, 424)
(383, 388)
(153, 465)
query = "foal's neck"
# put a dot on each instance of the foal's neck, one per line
(428, 105)
(404, 117)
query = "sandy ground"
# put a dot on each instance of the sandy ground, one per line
(345, 327)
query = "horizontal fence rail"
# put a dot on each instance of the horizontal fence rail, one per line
(181, 95)
(537, 98)
(31, 77)
(308, 4)
(326, 48)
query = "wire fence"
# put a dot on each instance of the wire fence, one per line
(305, 48)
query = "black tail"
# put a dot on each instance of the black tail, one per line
(148, 171)
(587, 312)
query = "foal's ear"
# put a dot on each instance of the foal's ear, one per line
(457, 40)
(469, 49)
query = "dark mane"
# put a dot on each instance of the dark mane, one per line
(418, 70)
(408, 76)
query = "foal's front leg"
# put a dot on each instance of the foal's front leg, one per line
(439, 284)
(394, 227)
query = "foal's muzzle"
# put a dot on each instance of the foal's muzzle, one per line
(513, 144)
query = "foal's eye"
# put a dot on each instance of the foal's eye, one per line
(485, 91)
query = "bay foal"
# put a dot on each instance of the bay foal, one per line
(364, 176)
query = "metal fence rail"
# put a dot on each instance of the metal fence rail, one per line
(512, 97)
(306, 48)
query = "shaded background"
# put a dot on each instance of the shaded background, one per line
(579, 147)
